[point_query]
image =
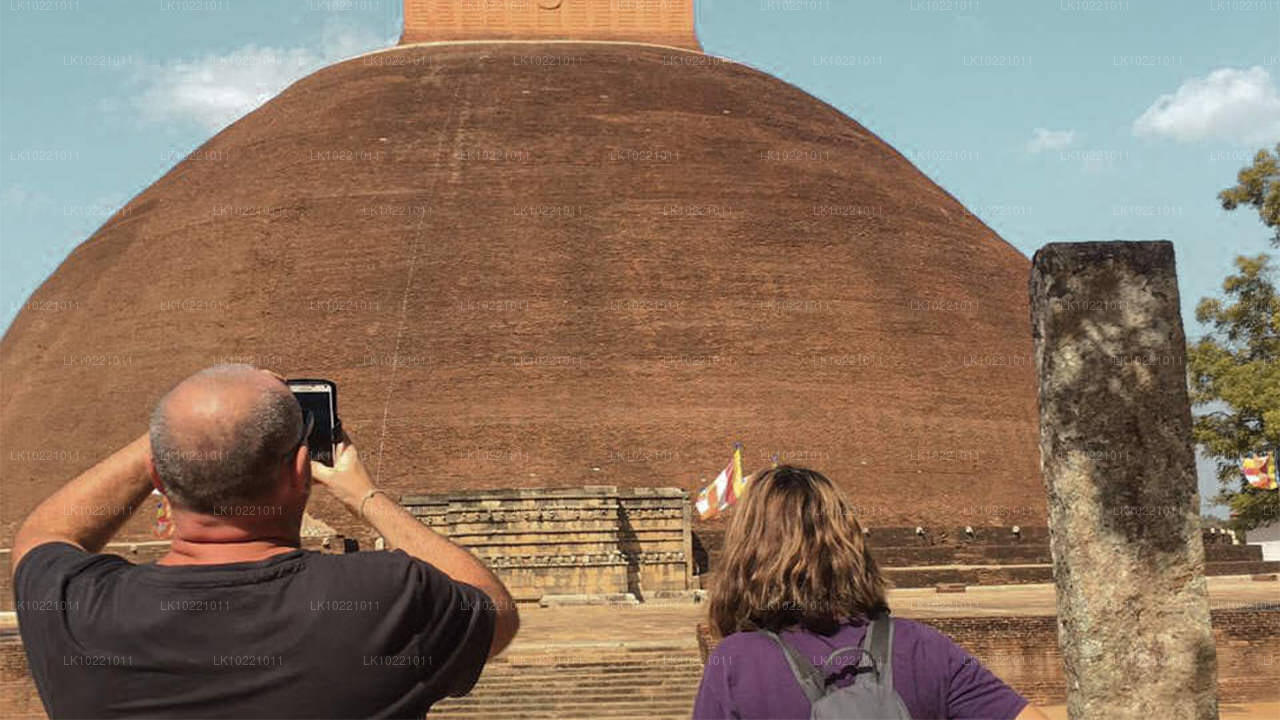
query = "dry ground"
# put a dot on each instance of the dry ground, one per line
(655, 622)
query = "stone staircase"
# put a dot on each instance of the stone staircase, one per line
(655, 681)
(988, 556)
(588, 682)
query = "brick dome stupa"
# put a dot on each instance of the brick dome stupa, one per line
(552, 244)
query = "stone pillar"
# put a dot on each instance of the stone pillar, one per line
(1119, 468)
(686, 522)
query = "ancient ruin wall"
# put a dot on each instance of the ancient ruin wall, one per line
(575, 541)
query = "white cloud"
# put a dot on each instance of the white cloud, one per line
(1043, 139)
(1240, 106)
(24, 198)
(215, 90)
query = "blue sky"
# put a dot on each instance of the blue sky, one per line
(1053, 120)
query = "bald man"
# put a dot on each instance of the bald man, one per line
(237, 620)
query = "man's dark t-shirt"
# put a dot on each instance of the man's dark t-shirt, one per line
(301, 634)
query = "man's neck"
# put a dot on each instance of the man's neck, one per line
(200, 539)
(186, 552)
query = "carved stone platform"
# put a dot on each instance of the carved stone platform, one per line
(594, 540)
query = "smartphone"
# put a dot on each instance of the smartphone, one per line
(320, 398)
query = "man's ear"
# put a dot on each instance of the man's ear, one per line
(302, 468)
(155, 475)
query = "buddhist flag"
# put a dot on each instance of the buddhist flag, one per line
(725, 490)
(1260, 471)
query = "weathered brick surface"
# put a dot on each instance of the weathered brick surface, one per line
(896, 548)
(928, 577)
(564, 327)
(1023, 651)
(1248, 654)
(669, 22)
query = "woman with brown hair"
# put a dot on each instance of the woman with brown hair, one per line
(797, 580)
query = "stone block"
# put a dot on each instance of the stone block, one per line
(593, 540)
(1117, 460)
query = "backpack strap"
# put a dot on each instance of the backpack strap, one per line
(878, 642)
(811, 681)
(849, 650)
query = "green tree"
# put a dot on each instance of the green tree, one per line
(1259, 187)
(1234, 370)
(1234, 367)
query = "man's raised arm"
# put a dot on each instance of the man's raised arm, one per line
(349, 482)
(87, 511)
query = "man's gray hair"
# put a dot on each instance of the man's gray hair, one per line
(230, 461)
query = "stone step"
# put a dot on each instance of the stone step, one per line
(601, 656)
(587, 667)
(672, 714)
(637, 690)
(639, 687)
(1022, 574)
(651, 712)
(601, 680)
(588, 682)
(593, 665)
(980, 575)
(975, 554)
(587, 658)
(1038, 573)
(1011, 552)
(590, 679)
(1241, 567)
(565, 707)
(597, 653)
(1225, 553)
(540, 707)
(500, 687)
(635, 693)
(965, 555)
(712, 539)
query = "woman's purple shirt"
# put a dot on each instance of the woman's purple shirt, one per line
(747, 677)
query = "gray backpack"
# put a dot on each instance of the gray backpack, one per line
(870, 697)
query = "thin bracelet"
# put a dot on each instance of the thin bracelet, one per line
(367, 497)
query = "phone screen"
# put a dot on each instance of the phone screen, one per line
(320, 398)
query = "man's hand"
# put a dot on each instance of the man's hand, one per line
(275, 375)
(350, 483)
(347, 479)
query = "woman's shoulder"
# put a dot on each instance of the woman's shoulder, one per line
(905, 632)
(746, 642)
(914, 632)
(751, 647)
(755, 643)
